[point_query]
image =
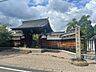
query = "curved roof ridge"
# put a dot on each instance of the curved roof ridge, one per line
(35, 19)
(41, 24)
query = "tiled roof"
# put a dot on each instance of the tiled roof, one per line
(35, 26)
(33, 23)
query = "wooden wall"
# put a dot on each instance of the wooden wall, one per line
(64, 44)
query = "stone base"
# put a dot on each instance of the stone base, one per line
(29, 50)
(79, 62)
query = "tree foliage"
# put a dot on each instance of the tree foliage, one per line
(85, 24)
(35, 38)
(5, 36)
(86, 27)
(95, 29)
(71, 25)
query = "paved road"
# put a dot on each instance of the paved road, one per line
(4, 68)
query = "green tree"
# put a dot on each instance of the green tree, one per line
(86, 27)
(71, 25)
(5, 36)
(95, 29)
(35, 38)
(85, 24)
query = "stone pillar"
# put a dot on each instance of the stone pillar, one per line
(78, 41)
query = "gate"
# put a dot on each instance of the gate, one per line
(90, 46)
(91, 49)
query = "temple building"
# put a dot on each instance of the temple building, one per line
(28, 28)
(47, 38)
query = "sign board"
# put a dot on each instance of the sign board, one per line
(78, 45)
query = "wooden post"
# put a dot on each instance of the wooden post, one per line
(78, 47)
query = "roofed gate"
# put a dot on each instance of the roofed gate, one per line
(40, 26)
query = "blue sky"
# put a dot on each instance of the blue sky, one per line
(79, 3)
(60, 12)
(35, 3)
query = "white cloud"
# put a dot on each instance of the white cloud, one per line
(92, 6)
(38, 1)
(56, 11)
(57, 20)
(78, 13)
(59, 5)
(59, 12)
(9, 21)
(60, 17)
(17, 8)
(89, 9)
(13, 11)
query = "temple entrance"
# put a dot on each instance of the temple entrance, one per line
(31, 28)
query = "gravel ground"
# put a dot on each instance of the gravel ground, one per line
(50, 61)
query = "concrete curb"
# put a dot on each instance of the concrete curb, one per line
(68, 52)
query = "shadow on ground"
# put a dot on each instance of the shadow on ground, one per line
(9, 53)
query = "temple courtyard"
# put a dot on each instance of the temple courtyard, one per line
(49, 61)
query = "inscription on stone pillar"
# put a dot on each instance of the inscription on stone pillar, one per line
(78, 48)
